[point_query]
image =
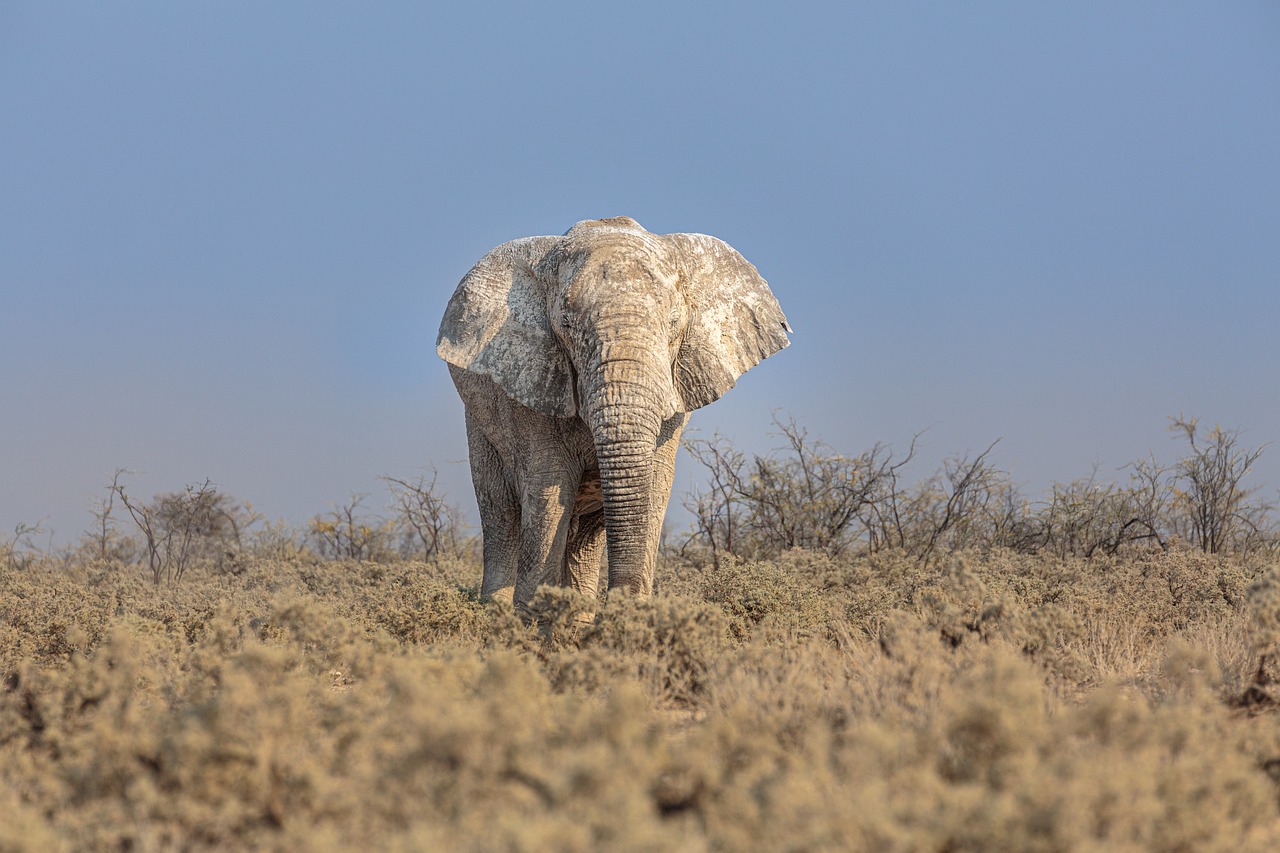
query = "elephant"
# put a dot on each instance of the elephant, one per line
(578, 359)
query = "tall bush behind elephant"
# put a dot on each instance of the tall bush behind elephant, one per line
(578, 359)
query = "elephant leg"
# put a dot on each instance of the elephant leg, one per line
(544, 530)
(582, 559)
(499, 516)
(664, 474)
(659, 495)
(586, 536)
(582, 556)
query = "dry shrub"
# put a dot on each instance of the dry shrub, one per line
(427, 609)
(560, 614)
(1264, 639)
(264, 745)
(44, 614)
(996, 701)
(935, 747)
(775, 596)
(665, 644)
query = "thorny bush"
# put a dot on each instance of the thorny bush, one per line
(805, 494)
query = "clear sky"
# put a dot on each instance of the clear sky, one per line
(228, 229)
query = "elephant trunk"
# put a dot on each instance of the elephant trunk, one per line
(625, 418)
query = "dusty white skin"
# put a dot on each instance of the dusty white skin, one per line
(577, 359)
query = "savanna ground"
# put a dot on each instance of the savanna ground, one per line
(985, 702)
(943, 667)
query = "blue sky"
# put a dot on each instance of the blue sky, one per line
(228, 230)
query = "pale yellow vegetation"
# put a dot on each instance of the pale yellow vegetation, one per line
(979, 702)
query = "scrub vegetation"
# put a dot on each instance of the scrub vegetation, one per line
(922, 672)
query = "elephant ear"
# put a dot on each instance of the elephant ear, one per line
(496, 325)
(734, 320)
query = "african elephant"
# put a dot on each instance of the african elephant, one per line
(577, 359)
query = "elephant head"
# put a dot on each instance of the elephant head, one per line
(622, 329)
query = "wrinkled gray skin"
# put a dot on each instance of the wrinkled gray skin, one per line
(577, 359)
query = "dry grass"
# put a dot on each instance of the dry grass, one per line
(999, 702)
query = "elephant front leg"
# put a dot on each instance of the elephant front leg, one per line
(544, 531)
(664, 474)
(582, 556)
(499, 516)
(584, 552)
(586, 537)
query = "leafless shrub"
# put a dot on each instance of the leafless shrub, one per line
(968, 503)
(718, 508)
(811, 496)
(198, 522)
(104, 542)
(275, 540)
(1214, 511)
(18, 551)
(104, 525)
(1149, 495)
(1087, 516)
(345, 534)
(806, 495)
(803, 495)
(178, 528)
(429, 526)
